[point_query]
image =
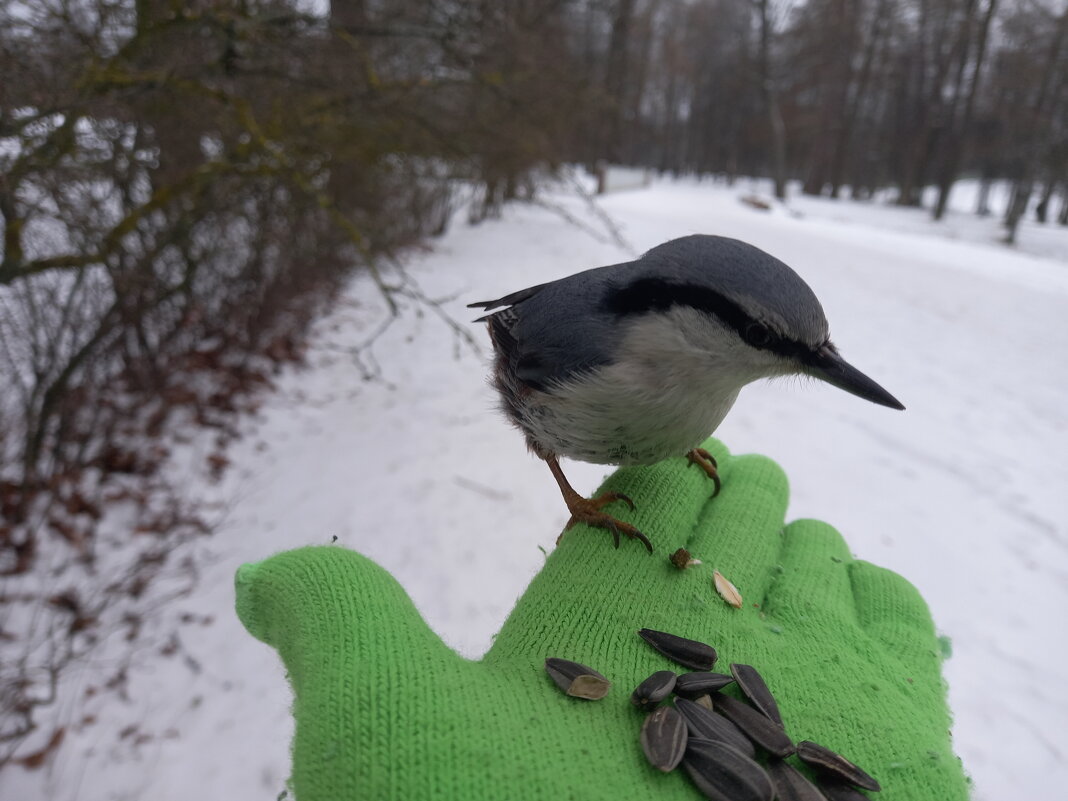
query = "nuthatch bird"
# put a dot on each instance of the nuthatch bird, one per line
(641, 361)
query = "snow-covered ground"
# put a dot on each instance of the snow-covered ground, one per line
(964, 493)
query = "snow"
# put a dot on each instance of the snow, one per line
(963, 493)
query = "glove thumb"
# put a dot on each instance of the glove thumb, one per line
(332, 610)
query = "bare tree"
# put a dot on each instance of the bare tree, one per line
(1038, 124)
(958, 133)
(770, 91)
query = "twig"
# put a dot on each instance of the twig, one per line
(595, 209)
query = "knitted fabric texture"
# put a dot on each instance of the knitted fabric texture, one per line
(384, 710)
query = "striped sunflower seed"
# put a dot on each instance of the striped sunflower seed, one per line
(690, 685)
(840, 791)
(691, 653)
(577, 680)
(757, 727)
(752, 684)
(654, 689)
(827, 761)
(663, 738)
(723, 773)
(708, 726)
(790, 784)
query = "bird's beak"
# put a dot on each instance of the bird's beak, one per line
(826, 365)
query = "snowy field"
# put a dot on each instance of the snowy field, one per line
(964, 493)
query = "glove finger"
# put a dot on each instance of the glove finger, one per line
(740, 531)
(589, 599)
(892, 611)
(669, 500)
(811, 581)
(896, 620)
(334, 610)
(669, 497)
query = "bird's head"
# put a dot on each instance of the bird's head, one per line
(751, 314)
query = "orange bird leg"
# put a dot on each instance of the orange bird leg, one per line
(588, 510)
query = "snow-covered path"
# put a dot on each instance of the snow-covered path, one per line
(964, 493)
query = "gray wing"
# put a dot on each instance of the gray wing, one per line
(507, 300)
(552, 332)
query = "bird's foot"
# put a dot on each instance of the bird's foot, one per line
(588, 511)
(707, 462)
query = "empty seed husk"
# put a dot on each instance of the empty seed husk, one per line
(790, 784)
(654, 689)
(757, 727)
(723, 773)
(691, 653)
(663, 738)
(727, 591)
(708, 726)
(682, 559)
(577, 680)
(752, 684)
(691, 685)
(827, 761)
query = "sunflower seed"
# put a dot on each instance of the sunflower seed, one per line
(706, 725)
(654, 689)
(704, 701)
(790, 784)
(827, 761)
(691, 653)
(840, 791)
(764, 732)
(577, 680)
(692, 684)
(723, 773)
(663, 738)
(751, 683)
(727, 591)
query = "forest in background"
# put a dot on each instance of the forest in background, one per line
(183, 185)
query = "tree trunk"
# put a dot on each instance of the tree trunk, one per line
(771, 102)
(349, 15)
(853, 104)
(958, 140)
(1042, 209)
(1021, 197)
(615, 80)
(982, 204)
(931, 112)
(841, 43)
(1025, 184)
(778, 145)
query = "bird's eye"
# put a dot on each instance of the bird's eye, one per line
(757, 335)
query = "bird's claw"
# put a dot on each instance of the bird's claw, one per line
(617, 526)
(707, 462)
(588, 511)
(608, 497)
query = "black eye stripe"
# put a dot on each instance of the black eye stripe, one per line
(655, 294)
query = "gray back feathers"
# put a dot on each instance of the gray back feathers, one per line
(554, 330)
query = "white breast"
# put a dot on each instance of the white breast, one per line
(670, 388)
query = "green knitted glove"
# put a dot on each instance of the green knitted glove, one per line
(384, 710)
